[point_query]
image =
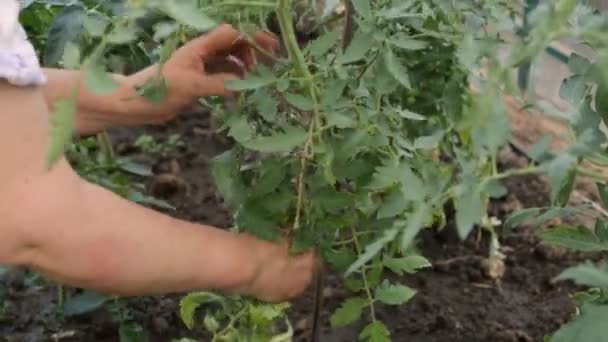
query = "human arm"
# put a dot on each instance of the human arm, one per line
(198, 69)
(82, 235)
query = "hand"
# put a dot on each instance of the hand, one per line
(280, 276)
(201, 67)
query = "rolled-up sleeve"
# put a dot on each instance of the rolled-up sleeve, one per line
(19, 63)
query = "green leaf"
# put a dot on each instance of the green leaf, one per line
(132, 333)
(123, 35)
(409, 264)
(562, 173)
(285, 141)
(603, 192)
(589, 326)
(240, 129)
(348, 313)
(579, 239)
(578, 64)
(66, 27)
(62, 128)
(394, 294)
(100, 82)
(397, 70)
(372, 250)
(224, 169)
(187, 13)
(253, 81)
(298, 101)
(340, 120)
(96, 24)
(415, 223)
(394, 204)
(429, 142)
(375, 332)
(573, 89)
(469, 211)
(601, 229)
(71, 56)
(321, 46)
(358, 48)
(403, 42)
(520, 217)
(586, 274)
(363, 7)
(190, 303)
(83, 303)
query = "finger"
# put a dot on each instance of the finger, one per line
(221, 39)
(215, 85)
(267, 41)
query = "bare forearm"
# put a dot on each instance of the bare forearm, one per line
(96, 112)
(90, 244)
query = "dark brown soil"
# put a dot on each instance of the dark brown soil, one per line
(456, 301)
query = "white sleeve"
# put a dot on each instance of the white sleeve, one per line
(19, 63)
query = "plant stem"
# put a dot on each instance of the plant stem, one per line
(263, 4)
(531, 170)
(368, 291)
(105, 146)
(592, 174)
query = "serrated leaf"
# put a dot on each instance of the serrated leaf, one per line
(372, 250)
(298, 101)
(190, 303)
(123, 35)
(520, 217)
(375, 332)
(586, 274)
(578, 239)
(396, 69)
(66, 27)
(363, 8)
(251, 82)
(469, 211)
(83, 303)
(414, 224)
(340, 120)
(573, 89)
(562, 173)
(409, 264)
(62, 128)
(187, 13)
(224, 169)
(95, 24)
(392, 205)
(240, 129)
(578, 64)
(348, 313)
(100, 82)
(429, 142)
(401, 41)
(357, 49)
(320, 46)
(394, 294)
(589, 326)
(285, 141)
(407, 114)
(71, 56)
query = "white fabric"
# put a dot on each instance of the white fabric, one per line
(19, 64)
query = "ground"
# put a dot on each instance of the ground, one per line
(456, 301)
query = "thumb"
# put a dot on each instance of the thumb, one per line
(215, 84)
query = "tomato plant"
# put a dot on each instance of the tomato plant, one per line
(378, 115)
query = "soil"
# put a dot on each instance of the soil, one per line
(456, 301)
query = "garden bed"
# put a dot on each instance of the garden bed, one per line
(456, 301)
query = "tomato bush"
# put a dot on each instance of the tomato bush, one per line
(377, 116)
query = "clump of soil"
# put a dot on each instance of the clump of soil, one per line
(456, 302)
